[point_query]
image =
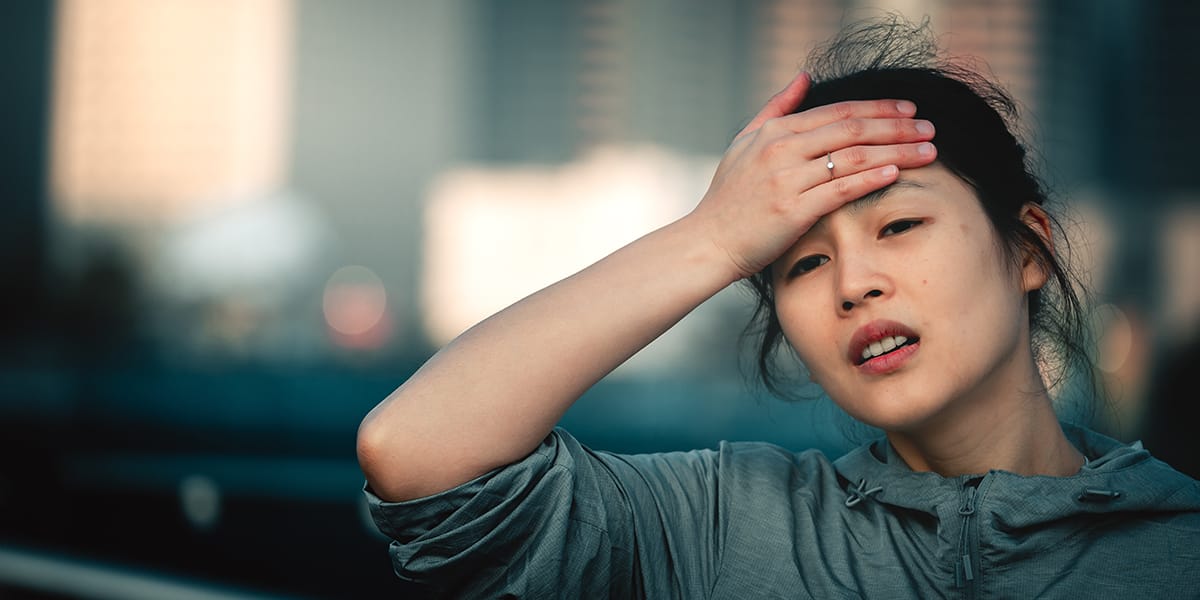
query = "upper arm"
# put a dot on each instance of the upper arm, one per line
(553, 521)
(564, 521)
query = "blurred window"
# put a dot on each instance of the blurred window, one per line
(165, 108)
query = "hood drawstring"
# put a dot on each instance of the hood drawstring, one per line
(1101, 494)
(1098, 495)
(860, 493)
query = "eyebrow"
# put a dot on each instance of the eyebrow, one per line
(873, 198)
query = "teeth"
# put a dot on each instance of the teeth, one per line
(886, 344)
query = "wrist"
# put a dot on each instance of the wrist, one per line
(699, 249)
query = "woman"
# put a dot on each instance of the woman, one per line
(886, 216)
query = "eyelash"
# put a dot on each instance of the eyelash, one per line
(908, 223)
(808, 263)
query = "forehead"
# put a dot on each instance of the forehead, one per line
(904, 184)
(873, 198)
(932, 182)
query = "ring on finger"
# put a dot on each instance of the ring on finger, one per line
(829, 164)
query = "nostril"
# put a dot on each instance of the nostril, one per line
(847, 305)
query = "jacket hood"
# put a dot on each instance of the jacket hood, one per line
(1118, 478)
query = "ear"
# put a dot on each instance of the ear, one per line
(1033, 272)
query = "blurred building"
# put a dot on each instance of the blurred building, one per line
(231, 227)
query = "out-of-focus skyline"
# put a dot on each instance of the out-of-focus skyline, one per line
(237, 178)
(232, 227)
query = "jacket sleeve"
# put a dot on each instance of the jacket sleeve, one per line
(563, 522)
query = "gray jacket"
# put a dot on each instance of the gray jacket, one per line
(753, 520)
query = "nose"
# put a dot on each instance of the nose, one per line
(848, 305)
(859, 279)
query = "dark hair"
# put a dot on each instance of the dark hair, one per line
(975, 119)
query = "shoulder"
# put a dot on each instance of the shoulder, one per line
(735, 478)
(763, 459)
(751, 456)
(1184, 509)
(755, 460)
(755, 466)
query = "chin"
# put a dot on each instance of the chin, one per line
(892, 412)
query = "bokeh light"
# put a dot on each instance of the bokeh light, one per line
(355, 305)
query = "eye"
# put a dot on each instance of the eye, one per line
(899, 227)
(807, 264)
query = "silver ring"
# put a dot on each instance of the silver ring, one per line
(829, 164)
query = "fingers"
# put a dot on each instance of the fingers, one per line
(831, 195)
(855, 167)
(827, 128)
(841, 111)
(847, 133)
(857, 171)
(781, 104)
(850, 140)
(855, 159)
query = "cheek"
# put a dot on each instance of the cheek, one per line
(794, 318)
(811, 337)
(791, 329)
(979, 294)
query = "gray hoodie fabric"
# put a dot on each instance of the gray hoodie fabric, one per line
(753, 520)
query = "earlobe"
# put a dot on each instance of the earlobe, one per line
(1033, 269)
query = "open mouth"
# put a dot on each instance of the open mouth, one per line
(884, 346)
(880, 338)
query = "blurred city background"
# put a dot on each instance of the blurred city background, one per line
(231, 227)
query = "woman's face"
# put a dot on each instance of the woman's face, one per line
(916, 277)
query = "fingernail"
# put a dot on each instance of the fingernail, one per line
(906, 108)
(889, 170)
(924, 127)
(925, 149)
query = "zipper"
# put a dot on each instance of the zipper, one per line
(965, 570)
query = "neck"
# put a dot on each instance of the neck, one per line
(1018, 433)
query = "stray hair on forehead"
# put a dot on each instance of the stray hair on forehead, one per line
(975, 119)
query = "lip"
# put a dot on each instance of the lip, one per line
(873, 332)
(882, 365)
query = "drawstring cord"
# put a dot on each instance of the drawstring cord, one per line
(1098, 495)
(860, 493)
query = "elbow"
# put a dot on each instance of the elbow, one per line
(367, 448)
(377, 462)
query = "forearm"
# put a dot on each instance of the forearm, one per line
(496, 391)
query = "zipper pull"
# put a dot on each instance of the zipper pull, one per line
(968, 506)
(966, 509)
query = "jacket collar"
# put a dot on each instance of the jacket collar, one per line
(1119, 477)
